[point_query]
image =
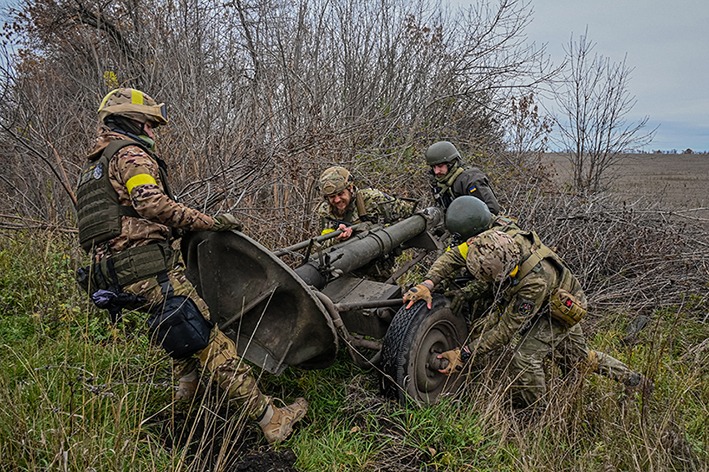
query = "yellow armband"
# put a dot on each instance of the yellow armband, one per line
(463, 249)
(138, 180)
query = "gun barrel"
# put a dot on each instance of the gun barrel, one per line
(363, 249)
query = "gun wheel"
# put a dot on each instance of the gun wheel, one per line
(412, 342)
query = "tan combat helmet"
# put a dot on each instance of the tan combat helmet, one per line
(132, 104)
(334, 180)
(492, 256)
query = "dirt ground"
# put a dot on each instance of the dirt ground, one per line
(675, 182)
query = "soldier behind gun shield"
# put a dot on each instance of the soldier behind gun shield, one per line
(127, 220)
(345, 205)
(451, 179)
(537, 298)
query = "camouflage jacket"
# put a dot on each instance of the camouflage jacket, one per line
(133, 168)
(471, 181)
(521, 298)
(380, 208)
(452, 261)
(517, 301)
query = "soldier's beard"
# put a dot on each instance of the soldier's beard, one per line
(337, 212)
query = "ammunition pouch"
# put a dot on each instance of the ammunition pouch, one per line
(565, 307)
(127, 267)
(177, 325)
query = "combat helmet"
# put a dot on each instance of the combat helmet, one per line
(467, 216)
(334, 180)
(492, 255)
(133, 104)
(441, 152)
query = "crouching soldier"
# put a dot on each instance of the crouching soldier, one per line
(127, 219)
(537, 298)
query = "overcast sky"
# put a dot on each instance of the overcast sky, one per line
(665, 42)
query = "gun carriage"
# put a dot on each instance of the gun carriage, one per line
(281, 317)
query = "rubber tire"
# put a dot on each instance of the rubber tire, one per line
(413, 337)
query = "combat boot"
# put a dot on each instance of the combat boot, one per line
(187, 386)
(277, 423)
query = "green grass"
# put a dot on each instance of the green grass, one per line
(78, 394)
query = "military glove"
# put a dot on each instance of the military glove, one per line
(456, 360)
(226, 222)
(419, 292)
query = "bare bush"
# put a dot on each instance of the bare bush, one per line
(628, 256)
(262, 94)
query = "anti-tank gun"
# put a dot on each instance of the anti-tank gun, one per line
(282, 317)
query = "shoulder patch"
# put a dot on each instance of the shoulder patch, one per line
(525, 307)
(98, 171)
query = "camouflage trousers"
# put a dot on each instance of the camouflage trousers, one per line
(219, 358)
(568, 348)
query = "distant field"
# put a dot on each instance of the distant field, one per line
(678, 182)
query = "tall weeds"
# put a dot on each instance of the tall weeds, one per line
(79, 394)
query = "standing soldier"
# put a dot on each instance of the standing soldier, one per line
(450, 179)
(128, 219)
(538, 298)
(344, 205)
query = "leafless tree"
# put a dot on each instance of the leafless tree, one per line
(594, 103)
(262, 94)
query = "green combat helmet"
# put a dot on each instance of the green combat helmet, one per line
(334, 180)
(132, 104)
(441, 152)
(468, 216)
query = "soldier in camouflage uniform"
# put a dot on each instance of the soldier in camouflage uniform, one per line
(344, 205)
(539, 301)
(128, 220)
(450, 179)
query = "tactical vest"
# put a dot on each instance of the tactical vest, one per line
(98, 210)
(100, 220)
(567, 302)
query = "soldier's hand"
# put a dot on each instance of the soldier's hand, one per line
(226, 222)
(419, 292)
(455, 363)
(346, 232)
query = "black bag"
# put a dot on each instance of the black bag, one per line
(178, 327)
